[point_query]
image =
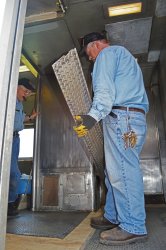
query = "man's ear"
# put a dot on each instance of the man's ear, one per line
(98, 44)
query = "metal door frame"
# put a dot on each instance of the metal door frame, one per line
(11, 35)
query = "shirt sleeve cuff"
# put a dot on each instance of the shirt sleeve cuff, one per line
(95, 116)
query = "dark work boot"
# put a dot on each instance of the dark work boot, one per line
(118, 236)
(12, 210)
(101, 223)
(13, 207)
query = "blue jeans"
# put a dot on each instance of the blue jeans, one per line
(14, 170)
(123, 176)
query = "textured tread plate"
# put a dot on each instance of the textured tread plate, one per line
(72, 82)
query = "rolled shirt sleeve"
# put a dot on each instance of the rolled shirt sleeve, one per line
(103, 77)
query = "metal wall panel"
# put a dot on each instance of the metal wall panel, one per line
(129, 34)
(151, 146)
(60, 148)
(162, 78)
(150, 155)
(152, 176)
(160, 8)
(161, 91)
(78, 191)
(60, 154)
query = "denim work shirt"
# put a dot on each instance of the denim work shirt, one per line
(19, 117)
(117, 81)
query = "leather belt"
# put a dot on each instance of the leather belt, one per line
(130, 109)
(113, 115)
(15, 133)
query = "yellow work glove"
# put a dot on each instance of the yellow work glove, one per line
(83, 124)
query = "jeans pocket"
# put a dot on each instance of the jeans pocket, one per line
(110, 123)
(137, 119)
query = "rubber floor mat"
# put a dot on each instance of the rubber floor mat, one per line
(45, 224)
(156, 226)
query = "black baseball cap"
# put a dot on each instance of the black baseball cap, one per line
(91, 37)
(26, 83)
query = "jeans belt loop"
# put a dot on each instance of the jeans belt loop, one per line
(128, 111)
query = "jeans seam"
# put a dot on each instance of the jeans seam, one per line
(119, 136)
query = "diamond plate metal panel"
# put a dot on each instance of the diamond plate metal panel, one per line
(71, 79)
(129, 34)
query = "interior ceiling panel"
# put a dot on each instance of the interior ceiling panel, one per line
(130, 33)
(39, 6)
(48, 39)
(46, 42)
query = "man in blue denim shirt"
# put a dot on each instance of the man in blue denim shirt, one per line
(121, 102)
(24, 90)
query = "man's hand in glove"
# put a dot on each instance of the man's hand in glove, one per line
(83, 124)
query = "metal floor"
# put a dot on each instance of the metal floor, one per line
(83, 237)
(156, 225)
